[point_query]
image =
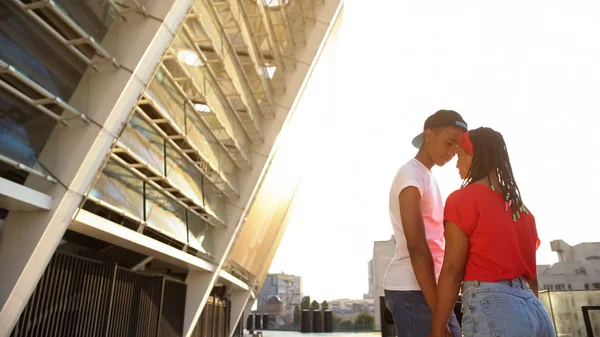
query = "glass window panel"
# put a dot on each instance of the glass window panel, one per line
(23, 130)
(212, 150)
(564, 308)
(190, 123)
(119, 187)
(167, 96)
(215, 202)
(139, 137)
(165, 215)
(225, 116)
(595, 320)
(203, 140)
(37, 54)
(184, 175)
(201, 234)
(93, 16)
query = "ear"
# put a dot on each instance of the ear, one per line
(469, 161)
(470, 158)
(428, 135)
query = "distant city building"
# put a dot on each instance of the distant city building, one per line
(578, 267)
(278, 297)
(383, 252)
(348, 309)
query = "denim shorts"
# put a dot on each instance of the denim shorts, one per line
(412, 316)
(503, 309)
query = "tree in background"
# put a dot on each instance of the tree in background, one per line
(305, 304)
(315, 306)
(364, 322)
(337, 320)
(324, 305)
(346, 326)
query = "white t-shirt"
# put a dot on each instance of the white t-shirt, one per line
(400, 274)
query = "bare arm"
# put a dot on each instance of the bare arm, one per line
(418, 250)
(455, 258)
(533, 284)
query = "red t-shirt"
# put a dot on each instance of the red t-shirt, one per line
(499, 247)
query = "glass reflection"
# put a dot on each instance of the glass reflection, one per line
(117, 186)
(185, 176)
(223, 114)
(124, 190)
(564, 308)
(164, 93)
(139, 137)
(35, 53)
(93, 16)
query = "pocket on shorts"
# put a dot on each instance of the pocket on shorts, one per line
(507, 315)
(545, 317)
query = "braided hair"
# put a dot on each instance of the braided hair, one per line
(490, 155)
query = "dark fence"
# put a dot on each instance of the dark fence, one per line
(80, 297)
(215, 318)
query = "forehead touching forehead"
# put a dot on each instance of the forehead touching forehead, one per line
(451, 133)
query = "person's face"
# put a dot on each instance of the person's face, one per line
(464, 163)
(442, 144)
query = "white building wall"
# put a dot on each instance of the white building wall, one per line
(578, 267)
(383, 252)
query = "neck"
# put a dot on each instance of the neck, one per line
(491, 179)
(424, 158)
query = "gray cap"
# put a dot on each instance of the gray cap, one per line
(439, 119)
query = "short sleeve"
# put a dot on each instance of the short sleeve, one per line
(461, 210)
(535, 233)
(409, 178)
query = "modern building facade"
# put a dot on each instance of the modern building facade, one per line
(578, 267)
(144, 146)
(571, 284)
(383, 253)
(282, 291)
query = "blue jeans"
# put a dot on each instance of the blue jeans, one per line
(504, 308)
(412, 315)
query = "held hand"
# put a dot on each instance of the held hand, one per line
(441, 333)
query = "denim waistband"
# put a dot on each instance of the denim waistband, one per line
(515, 283)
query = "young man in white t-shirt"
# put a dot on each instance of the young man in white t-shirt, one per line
(416, 212)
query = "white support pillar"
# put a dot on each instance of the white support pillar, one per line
(74, 154)
(262, 155)
(239, 300)
(199, 286)
(288, 208)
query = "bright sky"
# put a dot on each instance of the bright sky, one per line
(529, 69)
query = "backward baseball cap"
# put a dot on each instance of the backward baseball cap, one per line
(439, 119)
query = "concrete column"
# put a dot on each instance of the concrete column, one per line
(74, 154)
(239, 300)
(262, 156)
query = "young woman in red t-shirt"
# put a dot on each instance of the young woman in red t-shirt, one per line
(491, 240)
